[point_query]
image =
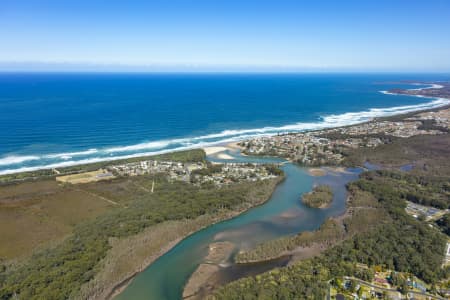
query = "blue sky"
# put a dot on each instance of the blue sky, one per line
(381, 35)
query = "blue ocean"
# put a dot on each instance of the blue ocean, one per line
(50, 120)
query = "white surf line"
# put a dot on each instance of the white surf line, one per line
(16, 159)
(431, 86)
(330, 121)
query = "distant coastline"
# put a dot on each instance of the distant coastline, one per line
(12, 164)
(212, 151)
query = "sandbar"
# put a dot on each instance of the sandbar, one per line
(224, 156)
(316, 172)
(214, 150)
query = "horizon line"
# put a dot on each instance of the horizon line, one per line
(212, 72)
(90, 67)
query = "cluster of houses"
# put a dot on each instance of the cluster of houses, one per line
(398, 129)
(381, 287)
(235, 172)
(174, 170)
(324, 147)
(427, 212)
(192, 172)
(304, 148)
(441, 118)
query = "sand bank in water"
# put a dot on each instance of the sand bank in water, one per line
(316, 172)
(224, 156)
(214, 150)
(218, 253)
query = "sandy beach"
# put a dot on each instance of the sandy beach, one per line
(214, 149)
(234, 145)
(224, 156)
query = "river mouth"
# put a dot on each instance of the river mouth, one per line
(282, 215)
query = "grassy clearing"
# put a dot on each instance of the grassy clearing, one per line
(41, 212)
(182, 156)
(61, 271)
(35, 214)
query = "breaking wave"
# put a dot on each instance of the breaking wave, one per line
(16, 163)
(13, 159)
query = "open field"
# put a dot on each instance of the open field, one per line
(35, 214)
(86, 177)
(41, 211)
(181, 156)
(96, 235)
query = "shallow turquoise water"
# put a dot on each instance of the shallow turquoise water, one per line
(282, 215)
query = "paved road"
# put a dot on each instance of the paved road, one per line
(392, 290)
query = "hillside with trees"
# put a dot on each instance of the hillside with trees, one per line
(398, 242)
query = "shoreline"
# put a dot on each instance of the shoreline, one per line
(215, 144)
(296, 254)
(121, 286)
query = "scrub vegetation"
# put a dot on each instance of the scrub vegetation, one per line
(320, 197)
(375, 231)
(398, 242)
(66, 268)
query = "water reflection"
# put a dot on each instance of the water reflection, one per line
(283, 215)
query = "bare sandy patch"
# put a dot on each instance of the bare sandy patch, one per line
(338, 170)
(234, 145)
(218, 253)
(214, 150)
(316, 172)
(224, 156)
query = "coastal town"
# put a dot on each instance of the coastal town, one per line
(327, 147)
(224, 150)
(372, 272)
(197, 173)
(174, 170)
